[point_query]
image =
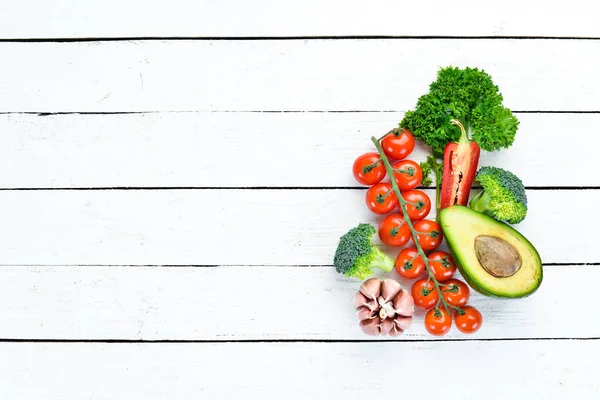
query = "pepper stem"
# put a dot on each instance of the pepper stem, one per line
(464, 138)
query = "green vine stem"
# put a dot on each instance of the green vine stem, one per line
(407, 220)
(368, 168)
(408, 171)
(437, 168)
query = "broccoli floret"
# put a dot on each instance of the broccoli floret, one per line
(356, 256)
(503, 196)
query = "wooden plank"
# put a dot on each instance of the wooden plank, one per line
(237, 227)
(287, 75)
(252, 303)
(540, 369)
(205, 149)
(111, 18)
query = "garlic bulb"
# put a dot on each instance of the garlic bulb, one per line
(384, 308)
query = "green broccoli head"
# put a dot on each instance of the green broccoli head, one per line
(356, 256)
(503, 196)
(468, 95)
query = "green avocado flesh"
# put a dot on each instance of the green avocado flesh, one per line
(494, 258)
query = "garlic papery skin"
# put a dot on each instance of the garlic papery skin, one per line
(386, 309)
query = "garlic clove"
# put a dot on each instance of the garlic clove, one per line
(404, 303)
(389, 289)
(386, 326)
(359, 300)
(396, 331)
(371, 288)
(403, 323)
(365, 313)
(372, 305)
(371, 326)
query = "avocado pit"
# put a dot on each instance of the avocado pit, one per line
(498, 257)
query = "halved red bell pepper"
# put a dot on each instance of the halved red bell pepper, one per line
(460, 167)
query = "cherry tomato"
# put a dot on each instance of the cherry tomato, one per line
(430, 235)
(393, 231)
(411, 174)
(456, 292)
(368, 169)
(409, 264)
(424, 294)
(398, 144)
(442, 265)
(420, 207)
(381, 199)
(469, 321)
(437, 321)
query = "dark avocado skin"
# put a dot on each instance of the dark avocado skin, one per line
(473, 283)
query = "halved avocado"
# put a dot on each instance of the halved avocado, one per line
(493, 257)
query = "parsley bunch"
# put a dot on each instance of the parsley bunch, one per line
(470, 96)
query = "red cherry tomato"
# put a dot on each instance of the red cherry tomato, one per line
(430, 235)
(381, 199)
(437, 321)
(456, 292)
(409, 264)
(424, 294)
(469, 321)
(442, 265)
(420, 204)
(368, 169)
(393, 231)
(398, 144)
(408, 174)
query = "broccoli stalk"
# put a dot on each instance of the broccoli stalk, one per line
(503, 196)
(356, 256)
(482, 202)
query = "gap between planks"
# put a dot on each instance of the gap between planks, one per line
(126, 188)
(49, 113)
(358, 341)
(293, 38)
(554, 264)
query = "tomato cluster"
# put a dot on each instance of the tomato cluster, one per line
(435, 278)
(369, 170)
(456, 295)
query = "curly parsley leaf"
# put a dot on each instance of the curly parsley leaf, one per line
(470, 96)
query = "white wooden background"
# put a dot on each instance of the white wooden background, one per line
(175, 175)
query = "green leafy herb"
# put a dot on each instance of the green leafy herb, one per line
(470, 96)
